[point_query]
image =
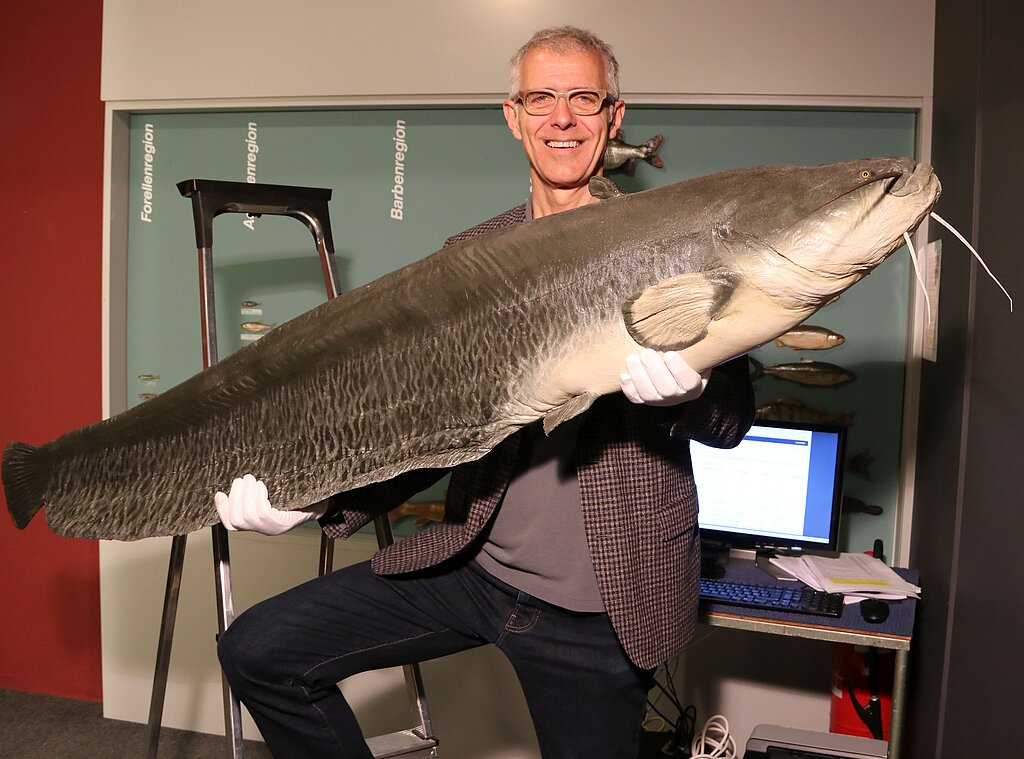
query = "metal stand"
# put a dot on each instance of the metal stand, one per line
(309, 205)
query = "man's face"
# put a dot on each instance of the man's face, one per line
(564, 150)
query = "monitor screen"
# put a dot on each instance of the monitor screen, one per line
(781, 487)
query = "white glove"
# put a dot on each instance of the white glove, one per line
(661, 379)
(247, 507)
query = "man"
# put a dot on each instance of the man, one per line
(576, 555)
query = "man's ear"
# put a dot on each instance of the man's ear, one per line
(618, 110)
(512, 119)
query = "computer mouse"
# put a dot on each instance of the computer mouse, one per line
(874, 610)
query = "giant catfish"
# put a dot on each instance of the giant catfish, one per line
(434, 364)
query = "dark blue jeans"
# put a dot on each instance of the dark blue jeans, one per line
(284, 657)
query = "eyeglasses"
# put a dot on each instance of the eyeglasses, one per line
(581, 102)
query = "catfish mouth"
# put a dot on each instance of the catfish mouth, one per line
(901, 183)
(910, 184)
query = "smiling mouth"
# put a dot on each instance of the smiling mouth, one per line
(562, 143)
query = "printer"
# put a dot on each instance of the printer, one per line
(774, 742)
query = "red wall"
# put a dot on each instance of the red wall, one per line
(51, 206)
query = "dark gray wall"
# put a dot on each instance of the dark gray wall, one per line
(967, 664)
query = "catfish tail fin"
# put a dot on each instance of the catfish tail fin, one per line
(24, 482)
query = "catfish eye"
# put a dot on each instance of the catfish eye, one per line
(866, 173)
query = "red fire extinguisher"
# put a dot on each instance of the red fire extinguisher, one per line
(861, 691)
(862, 679)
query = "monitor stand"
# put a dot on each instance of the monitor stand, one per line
(716, 555)
(763, 561)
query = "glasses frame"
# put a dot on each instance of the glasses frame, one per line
(565, 95)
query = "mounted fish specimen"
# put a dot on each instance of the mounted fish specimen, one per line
(805, 372)
(786, 408)
(853, 505)
(619, 154)
(434, 364)
(807, 337)
(860, 464)
(257, 327)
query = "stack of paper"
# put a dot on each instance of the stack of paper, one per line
(856, 575)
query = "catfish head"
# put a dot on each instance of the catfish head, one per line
(773, 245)
(832, 224)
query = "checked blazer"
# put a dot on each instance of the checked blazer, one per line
(638, 496)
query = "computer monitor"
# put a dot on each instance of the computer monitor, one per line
(780, 488)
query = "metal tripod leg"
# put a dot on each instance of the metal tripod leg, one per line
(163, 653)
(225, 616)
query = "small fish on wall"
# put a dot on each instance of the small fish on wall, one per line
(805, 372)
(257, 327)
(787, 408)
(807, 337)
(619, 155)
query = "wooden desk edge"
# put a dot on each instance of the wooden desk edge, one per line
(805, 630)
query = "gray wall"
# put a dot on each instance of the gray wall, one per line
(967, 664)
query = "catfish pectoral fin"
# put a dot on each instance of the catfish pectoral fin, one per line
(24, 482)
(676, 312)
(566, 411)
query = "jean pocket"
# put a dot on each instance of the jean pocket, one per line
(522, 619)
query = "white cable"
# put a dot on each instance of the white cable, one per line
(977, 255)
(920, 279)
(714, 740)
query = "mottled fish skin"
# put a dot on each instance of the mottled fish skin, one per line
(434, 364)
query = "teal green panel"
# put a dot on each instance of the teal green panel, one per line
(460, 166)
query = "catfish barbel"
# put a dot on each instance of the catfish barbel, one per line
(437, 362)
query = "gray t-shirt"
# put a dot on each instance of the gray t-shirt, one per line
(537, 542)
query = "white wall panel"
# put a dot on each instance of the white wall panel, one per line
(223, 49)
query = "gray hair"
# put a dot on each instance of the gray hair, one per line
(564, 40)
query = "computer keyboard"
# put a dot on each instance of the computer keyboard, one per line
(795, 598)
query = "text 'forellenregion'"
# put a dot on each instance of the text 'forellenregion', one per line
(149, 146)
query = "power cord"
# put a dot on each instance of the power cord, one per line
(714, 740)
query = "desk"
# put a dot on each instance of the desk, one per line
(895, 633)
